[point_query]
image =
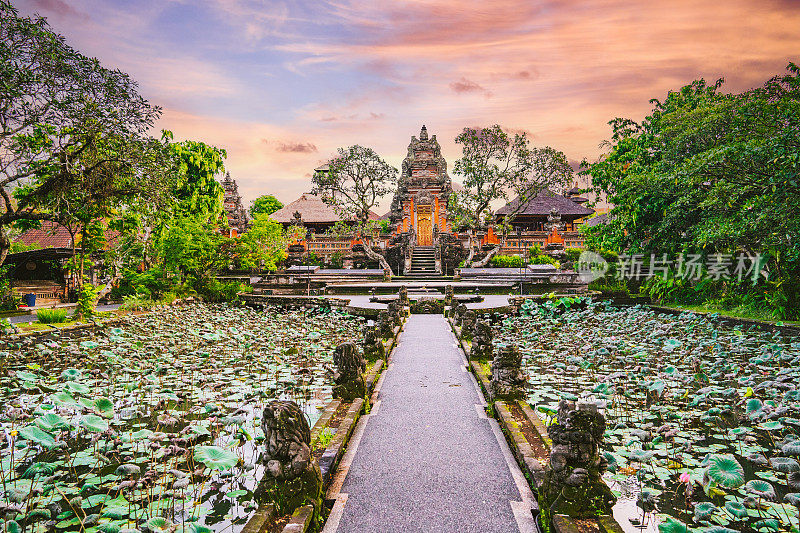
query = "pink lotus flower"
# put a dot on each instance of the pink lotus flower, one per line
(685, 478)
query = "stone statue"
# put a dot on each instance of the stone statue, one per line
(349, 375)
(482, 341)
(372, 345)
(573, 483)
(448, 295)
(458, 313)
(508, 381)
(468, 324)
(403, 295)
(292, 477)
(395, 310)
(385, 324)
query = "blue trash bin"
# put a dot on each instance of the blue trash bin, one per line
(29, 299)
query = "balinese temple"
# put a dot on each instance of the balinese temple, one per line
(419, 206)
(421, 238)
(238, 220)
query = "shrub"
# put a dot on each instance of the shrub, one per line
(213, 290)
(507, 261)
(87, 299)
(542, 259)
(51, 316)
(573, 254)
(137, 302)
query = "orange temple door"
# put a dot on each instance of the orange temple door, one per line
(424, 226)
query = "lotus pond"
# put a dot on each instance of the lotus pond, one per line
(702, 420)
(154, 424)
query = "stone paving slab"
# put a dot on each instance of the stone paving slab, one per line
(429, 460)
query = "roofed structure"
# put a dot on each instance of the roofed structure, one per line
(232, 203)
(311, 211)
(534, 213)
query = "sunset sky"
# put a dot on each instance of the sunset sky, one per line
(281, 85)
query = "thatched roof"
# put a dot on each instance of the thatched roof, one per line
(543, 203)
(312, 210)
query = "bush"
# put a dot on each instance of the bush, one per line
(86, 300)
(573, 254)
(51, 316)
(214, 290)
(542, 259)
(136, 302)
(507, 261)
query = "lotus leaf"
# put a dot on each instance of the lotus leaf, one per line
(215, 458)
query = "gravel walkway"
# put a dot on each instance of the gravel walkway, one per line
(429, 459)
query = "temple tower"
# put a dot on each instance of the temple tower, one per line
(232, 203)
(420, 202)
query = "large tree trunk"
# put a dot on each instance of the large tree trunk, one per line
(471, 254)
(375, 256)
(5, 244)
(485, 261)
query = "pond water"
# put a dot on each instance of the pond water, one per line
(156, 421)
(702, 420)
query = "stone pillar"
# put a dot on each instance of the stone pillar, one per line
(292, 478)
(573, 483)
(349, 374)
(385, 324)
(508, 381)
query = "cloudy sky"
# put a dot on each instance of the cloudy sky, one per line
(280, 85)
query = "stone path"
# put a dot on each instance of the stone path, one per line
(427, 458)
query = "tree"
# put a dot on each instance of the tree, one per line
(356, 180)
(707, 173)
(495, 167)
(70, 130)
(264, 245)
(266, 204)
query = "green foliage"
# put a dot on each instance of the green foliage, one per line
(264, 245)
(573, 254)
(197, 191)
(542, 259)
(266, 204)
(51, 316)
(137, 303)
(711, 172)
(507, 261)
(87, 300)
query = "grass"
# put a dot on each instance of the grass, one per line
(52, 316)
(737, 312)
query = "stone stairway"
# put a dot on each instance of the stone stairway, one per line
(423, 262)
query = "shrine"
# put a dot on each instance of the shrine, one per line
(419, 206)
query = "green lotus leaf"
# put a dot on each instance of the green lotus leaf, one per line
(785, 464)
(215, 458)
(35, 434)
(726, 471)
(26, 376)
(39, 469)
(770, 524)
(703, 510)
(80, 388)
(736, 509)
(52, 422)
(94, 424)
(104, 407)
(754, 408)
(670, 525)
(760, 488)
(71, 374)
(772, 425)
